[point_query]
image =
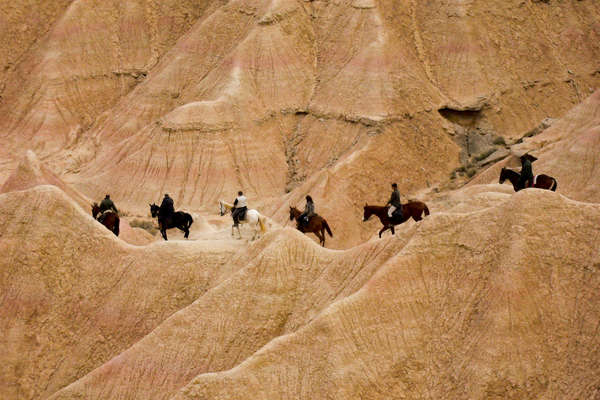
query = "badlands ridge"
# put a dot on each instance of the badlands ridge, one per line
(495, 295)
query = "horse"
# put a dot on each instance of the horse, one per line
(180, 220)
(539, 181)
(316, 225)
(253, 218)
(111, 219)
(414, 209)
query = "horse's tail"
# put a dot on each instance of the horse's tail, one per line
(554, 185)
(116, 227)
(327, 228)
(261, 222)
(190, 221)
(425, 209)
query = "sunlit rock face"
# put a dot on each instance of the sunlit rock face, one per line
(492, 295)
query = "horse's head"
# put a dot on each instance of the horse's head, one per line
(502, 176)
(95, 209)
(367, 212)
(294, 213)
(154, 210)
(221, 208)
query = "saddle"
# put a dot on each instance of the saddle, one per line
(304, 221)
(534, 181)
(103, 214)
(397, 215)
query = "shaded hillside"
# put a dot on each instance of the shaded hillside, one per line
(501, 303)
(73, 295)
(467, 305)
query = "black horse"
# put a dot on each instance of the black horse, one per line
(540, 181)
(180, 220)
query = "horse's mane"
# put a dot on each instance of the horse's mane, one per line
(510, 169)
(226, 204)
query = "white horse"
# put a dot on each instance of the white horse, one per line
(252, 218)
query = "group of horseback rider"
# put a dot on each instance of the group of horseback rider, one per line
(240, 204)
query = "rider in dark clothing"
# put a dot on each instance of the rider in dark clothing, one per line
(166, 207)
(526, 178)
(239, 208)
(395, 202)
(106, 205)
(309, 211)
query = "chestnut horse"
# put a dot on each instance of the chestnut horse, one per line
(412, 209)
(111, 219)
(541, 181)
(316, 225)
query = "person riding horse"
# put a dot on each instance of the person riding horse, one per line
(309, 212)
(167, 208)
(526, 179)
(106, 205)
(240, 207)
(395, 210)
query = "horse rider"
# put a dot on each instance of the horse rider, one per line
(106, 205)
(309, 212)
(239, 208)
(526, 178)
(395, 209)
(166, 207)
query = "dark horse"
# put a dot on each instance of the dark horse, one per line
(412, 209)
(316, 225)
(541, 181)
(111, 219)
(180, 220)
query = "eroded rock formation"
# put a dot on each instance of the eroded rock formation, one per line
(493, 295)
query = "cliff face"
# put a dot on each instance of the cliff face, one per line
(493, 295)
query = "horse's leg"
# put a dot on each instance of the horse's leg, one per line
(385, 228)
(393, 230)
(256, 228)
(184, 228)
(321, 238)
(163, 232)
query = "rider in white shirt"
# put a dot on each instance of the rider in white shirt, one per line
(239, 208)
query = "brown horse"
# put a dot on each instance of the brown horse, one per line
(111, 219)
(316, 225)
(412, 209)
(541, 181)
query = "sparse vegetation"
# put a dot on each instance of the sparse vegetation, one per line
(146, 225)
(499, 140)
(485, 154)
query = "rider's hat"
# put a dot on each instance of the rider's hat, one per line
(394, 184)
(528, 156)
(524, 155)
